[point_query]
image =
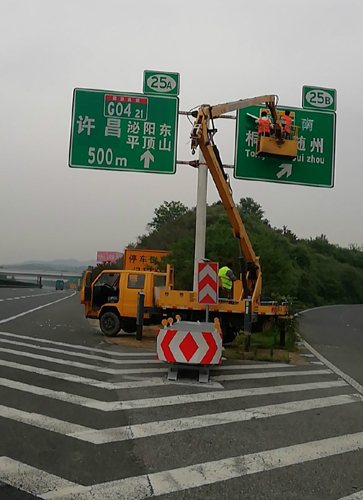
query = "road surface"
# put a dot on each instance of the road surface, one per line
(83, 419)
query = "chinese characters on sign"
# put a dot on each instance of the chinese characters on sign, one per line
(314, 164)
(124, 132)
(143, 260)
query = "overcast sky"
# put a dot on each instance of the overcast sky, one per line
(224, 51)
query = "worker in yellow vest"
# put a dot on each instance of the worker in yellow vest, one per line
(226, 279)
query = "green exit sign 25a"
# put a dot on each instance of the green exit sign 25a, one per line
(319, 98)
(160, 82)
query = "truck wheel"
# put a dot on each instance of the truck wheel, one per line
(110, 324)
(128, 325)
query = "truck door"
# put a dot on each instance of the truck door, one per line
(86, 290)
(133, 283)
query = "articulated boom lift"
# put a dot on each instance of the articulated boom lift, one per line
(203, 136)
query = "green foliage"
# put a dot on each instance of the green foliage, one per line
(168, 211)
(308, 272)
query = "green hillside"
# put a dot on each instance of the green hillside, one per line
(312, 271)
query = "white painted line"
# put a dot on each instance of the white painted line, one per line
(335, 369)
(84, 366)
(149, 382)
(149, 429)
(317, 363)
(81, 354)
(6, 320)
(41, 421)
(307, 355)
(32, 480)
(9, 299)
(355, 496)
(164, 401)
(48, 393)
(255, 366)
(75, 346)
(203, 474)
(248, 376)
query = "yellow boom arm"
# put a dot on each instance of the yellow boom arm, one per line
(203, 137)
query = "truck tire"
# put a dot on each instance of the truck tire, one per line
(128, 325)
(110, 324)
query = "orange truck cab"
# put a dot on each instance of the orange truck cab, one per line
(113, 297)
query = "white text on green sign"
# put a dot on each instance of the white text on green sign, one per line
(314, 165)
(121, 131)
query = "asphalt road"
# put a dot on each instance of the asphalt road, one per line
(336, 332)
(85, 420)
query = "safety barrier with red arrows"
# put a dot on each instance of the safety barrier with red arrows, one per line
(190, 343)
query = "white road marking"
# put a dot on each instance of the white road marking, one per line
(167, 400)
(246, 376)
(355, 496)
(203, 474)
(150, 382)
(84, 366)
(9, 299)
(307, 355)
(254, 366)
(75, 346)
(148, 429)
(6, 320)
(317, 363)
(139, 431)
(41, 421)
(80, 354)
(32, 480)
(335, 369)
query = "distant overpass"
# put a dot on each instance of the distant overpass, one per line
(46, 274)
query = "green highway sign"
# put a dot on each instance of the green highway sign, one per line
(315, 163)
(122, 131)
(319, 98)
(159, 82)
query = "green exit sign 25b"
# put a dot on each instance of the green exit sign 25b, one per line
(319, 98)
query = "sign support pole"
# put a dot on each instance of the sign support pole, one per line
(201, 215)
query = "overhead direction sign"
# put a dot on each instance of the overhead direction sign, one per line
(315, 162)
(161, 82)
(319, 98)
(208, 283)
(123, 131)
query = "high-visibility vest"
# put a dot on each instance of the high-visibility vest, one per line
(264, 126)
(287, 121)
(226, 282)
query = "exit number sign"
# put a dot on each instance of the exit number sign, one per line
(319, 98)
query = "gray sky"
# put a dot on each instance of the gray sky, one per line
(224, 51)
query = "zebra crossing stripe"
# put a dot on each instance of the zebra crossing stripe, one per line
(80, 347)
(32, 480)
(247, 376)
(157, 428)
(84, 366)
(79, 354)
(131, 404)
(216, 471)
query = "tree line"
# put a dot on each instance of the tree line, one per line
(312, 271)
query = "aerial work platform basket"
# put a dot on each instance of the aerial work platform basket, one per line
(278, 147)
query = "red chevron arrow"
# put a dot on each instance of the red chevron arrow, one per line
(165, 345)
(207, 358)
(208, 280)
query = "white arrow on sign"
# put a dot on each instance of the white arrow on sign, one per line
(286, 168)
(147, 157)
